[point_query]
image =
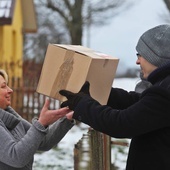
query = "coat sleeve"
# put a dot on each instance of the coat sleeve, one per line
(121, 99)
(146, 115)
(18, 153)
(55, 133)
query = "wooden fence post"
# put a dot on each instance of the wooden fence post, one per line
(106, 152)
(82, 154)
(97, 153)
(96, 149)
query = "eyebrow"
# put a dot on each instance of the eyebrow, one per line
(4, 83)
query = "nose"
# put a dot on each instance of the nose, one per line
(138, 61)
(9, 90)
(138, 58)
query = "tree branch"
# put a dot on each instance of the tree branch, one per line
(167, 3)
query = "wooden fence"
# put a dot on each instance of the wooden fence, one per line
(93, 151)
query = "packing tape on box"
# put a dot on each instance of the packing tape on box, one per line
(105, 56)
(63, 75)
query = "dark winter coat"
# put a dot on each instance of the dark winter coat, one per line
(145, 118)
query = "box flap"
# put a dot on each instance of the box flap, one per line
(86, 51)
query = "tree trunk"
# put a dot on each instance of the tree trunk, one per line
(76, 24)
(167, 3)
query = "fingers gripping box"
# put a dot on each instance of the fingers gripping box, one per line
(69, 66)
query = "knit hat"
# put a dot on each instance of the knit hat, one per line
(154, 45)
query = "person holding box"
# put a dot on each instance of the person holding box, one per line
(143, 117)
(20, 139)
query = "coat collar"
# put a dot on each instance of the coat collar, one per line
(159, 74)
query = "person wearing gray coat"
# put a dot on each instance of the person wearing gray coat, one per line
(21, 139)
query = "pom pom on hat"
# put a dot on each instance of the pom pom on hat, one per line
(154, 45)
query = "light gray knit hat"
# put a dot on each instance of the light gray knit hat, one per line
(154, 45)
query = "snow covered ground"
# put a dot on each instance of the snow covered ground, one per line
(61, 157)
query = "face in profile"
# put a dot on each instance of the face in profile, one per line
(5, 93)
(146, 67)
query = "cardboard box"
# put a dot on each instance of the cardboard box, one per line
(69, 66)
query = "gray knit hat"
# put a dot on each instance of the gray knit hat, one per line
(154, 45)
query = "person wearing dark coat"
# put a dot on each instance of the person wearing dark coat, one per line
(143, 117)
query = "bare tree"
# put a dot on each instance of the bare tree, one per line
(50, 30)
(77, 14)
(166, 16)
(167, 3)
(64, 21)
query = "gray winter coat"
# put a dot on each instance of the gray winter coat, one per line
(20, 139)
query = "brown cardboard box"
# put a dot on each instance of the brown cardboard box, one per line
(69, 66)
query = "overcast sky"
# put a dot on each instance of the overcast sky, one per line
(119, 38)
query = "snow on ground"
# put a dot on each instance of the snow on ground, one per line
(126, 83)
(61, 157)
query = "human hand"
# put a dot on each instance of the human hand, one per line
(69, 116)
(74, 98)
(48, 117)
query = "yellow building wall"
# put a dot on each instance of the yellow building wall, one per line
(11, 44)
(1, 44)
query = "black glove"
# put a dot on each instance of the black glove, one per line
(74, 98)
